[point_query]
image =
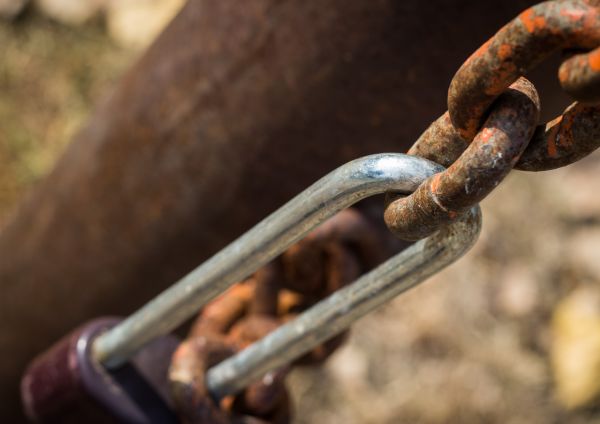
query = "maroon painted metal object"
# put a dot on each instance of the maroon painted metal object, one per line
(66, 385)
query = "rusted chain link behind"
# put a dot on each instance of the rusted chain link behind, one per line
(490, 128)
(330, 257)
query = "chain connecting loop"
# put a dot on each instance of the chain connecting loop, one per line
(480, 138)
(272, 320)
(485, 163)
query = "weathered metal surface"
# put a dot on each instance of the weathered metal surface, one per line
(519, 46)
(564, 140)
(226, 325)
(502, 139)
(471, 177)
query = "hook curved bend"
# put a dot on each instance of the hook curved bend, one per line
(339, 189)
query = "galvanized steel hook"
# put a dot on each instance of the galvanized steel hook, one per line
(341, 188)
(338, 311)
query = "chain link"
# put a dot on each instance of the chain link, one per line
(485, 134)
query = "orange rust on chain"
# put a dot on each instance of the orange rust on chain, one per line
(525, 41)
(483, 49)
(435, 183)
(484, 164)
(519, 46)
(486, 134)
(574, 15)
(502, 73)
(338, 252)
(594, 60)
(224, 310)
(531, 21)
(504, 51)
(564, 140)
(563, 74)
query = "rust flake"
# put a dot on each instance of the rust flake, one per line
(594, 60)
(532, 21)
(505, 51)
(435, 183)
(574, 15)
(499, 80)
(486, 134)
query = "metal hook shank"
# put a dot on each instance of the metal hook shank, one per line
(339, 189)
(337, 312)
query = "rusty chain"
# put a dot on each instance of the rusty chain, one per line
(490, 128)
(491, 123)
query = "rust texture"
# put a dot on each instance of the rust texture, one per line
(333, 255)
(518, 47)
(458, 139)
(488, 159)
(242, 315)
(263, 402)
(564, 140)
(560, 142)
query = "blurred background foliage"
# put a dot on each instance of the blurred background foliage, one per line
(50, 76)
(59, 58)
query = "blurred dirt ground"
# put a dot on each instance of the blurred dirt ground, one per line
(50, 76)
(509, 334)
